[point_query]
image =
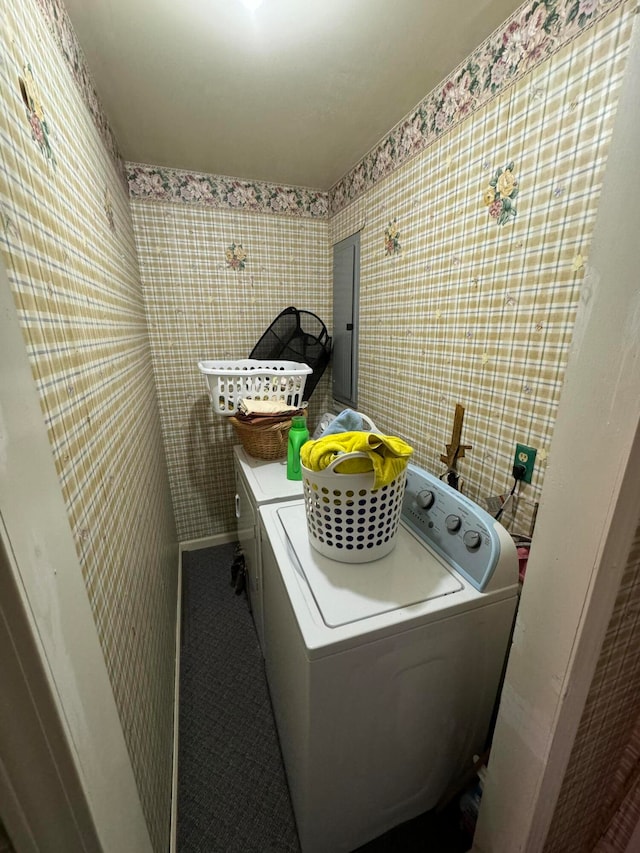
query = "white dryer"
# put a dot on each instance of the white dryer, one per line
(384, 675)
(257, 482)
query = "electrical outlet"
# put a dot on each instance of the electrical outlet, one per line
(525, 456)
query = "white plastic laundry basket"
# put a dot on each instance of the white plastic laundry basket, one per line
(231, 380)
(347, 519)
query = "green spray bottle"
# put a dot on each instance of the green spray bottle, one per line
(298, 434)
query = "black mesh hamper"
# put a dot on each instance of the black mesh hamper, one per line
(297, 335)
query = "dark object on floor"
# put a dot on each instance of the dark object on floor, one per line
(429, 833)
(232, 790)
(238, 574)
(297, 335)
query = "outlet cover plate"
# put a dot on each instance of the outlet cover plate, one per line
(525, 456)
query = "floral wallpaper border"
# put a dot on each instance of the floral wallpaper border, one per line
(531, 35)
(59, 23)
(155, 183)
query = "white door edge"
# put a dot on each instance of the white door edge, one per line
(65, 659)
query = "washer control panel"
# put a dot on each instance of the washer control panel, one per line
(455, 527)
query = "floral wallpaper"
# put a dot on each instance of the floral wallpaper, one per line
(236, 256)
(392, 238)
(35, 113)
(213, 281)
(67, 242)
(536, 31)
(472, 256)
(153, 183)
(500, 195)
(60, 25)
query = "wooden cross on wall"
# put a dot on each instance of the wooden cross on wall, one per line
(455, 450)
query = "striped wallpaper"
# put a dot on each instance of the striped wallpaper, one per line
(461, 308)
(199, 307)
(602, 782)
(67, 243)
(467, 308)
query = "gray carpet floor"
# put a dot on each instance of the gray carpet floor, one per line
(232, 789)
(232, 792)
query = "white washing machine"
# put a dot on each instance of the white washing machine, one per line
(257, 482)
(383, 675)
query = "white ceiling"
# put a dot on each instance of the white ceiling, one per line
(296, 92)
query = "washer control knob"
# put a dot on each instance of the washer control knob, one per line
(425, 499)
(453, 523)
(472, 539)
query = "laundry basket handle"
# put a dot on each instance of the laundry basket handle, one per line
(343, 457)
(366, 420)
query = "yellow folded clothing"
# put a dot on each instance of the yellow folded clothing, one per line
(387, 455)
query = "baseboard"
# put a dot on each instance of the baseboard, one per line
(176, 706)
(207, 542)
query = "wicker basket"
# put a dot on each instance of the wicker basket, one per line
(263, 441)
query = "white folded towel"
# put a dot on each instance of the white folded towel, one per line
(265, 407)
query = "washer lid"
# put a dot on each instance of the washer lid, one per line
(349, 592)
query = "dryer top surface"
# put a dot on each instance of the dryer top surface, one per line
(267, 480)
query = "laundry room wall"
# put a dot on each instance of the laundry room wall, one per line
(67, 244)
(458, 304)
(219, 259)
(482, 314)
(602, 780)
